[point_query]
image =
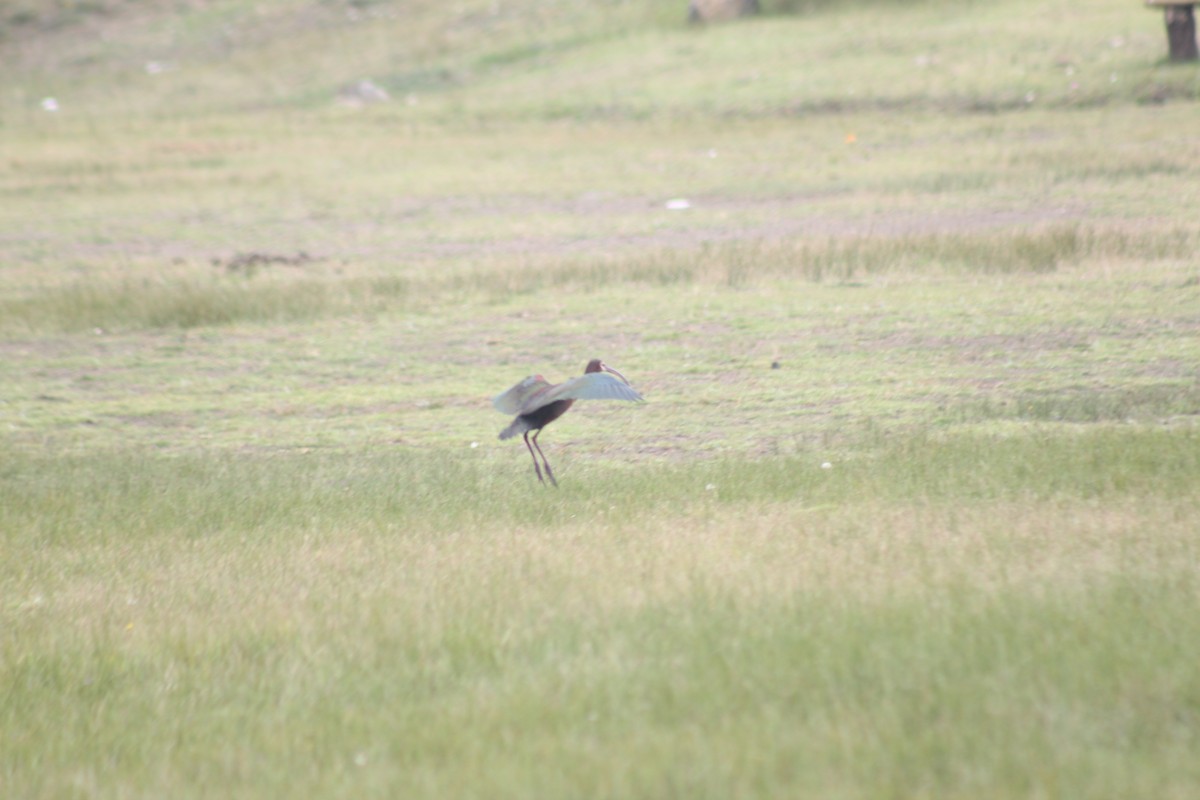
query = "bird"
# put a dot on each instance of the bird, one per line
(537, 403)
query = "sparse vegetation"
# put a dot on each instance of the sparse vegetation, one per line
(911, 509)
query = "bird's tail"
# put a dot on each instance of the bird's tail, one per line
(518, 427)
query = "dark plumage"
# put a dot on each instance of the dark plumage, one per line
(537, 403)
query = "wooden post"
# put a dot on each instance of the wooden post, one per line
(1181, 29)
(713, 10)
(1181, 33)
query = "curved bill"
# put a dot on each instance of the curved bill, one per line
(607, 368)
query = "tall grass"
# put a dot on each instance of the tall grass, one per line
(951, 616)
(170, 303)
(196, 300)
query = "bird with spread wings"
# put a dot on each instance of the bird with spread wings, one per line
(537, 402)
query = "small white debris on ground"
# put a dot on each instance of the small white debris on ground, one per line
(361, 93)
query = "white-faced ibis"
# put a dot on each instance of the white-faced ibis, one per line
(537, 403)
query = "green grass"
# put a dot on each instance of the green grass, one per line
(980, 616)
(220, 294)
(194, 496)
(911, 509)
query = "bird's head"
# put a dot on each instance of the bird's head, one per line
(596, 365)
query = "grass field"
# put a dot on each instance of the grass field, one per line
(912, 510)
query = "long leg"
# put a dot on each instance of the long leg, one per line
(536, 468)
(544, 461)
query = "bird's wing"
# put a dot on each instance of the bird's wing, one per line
(515, 399)
(592, 386)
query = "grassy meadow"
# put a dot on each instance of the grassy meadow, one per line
(912, 291)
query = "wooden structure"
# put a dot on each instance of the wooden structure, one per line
(1181, 28)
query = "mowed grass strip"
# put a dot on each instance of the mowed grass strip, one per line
(952, 617)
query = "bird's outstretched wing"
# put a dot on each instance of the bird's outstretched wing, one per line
(514, 400)
(535, 392)
(592, 386)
